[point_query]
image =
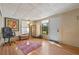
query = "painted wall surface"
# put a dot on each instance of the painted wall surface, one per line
(1, 25)
(38, 28)
(68, 29)
(70, 26)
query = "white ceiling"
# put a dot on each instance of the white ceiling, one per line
(34, 11)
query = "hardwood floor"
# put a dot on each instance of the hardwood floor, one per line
(47, 48)
(7, 50)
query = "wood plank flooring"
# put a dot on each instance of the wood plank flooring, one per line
(7, 50)
(47, 48)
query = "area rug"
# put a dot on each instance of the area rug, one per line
(25, 48)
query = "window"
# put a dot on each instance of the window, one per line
(25, 27)
(45, 27)
(25, 30)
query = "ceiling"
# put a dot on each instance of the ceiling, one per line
(34, 11)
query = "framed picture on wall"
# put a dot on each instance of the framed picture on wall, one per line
(12, 23)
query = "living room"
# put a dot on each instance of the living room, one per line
(39, 29)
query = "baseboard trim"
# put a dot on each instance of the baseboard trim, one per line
(54, 41)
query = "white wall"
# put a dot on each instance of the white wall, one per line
(1, 25)
(38, 28)
(68, 29)
(70, 26)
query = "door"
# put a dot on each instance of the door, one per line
(54, 29)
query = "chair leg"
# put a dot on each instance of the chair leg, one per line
(4, 41)
(9, 41)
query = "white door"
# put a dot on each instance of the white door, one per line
(54, 29)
